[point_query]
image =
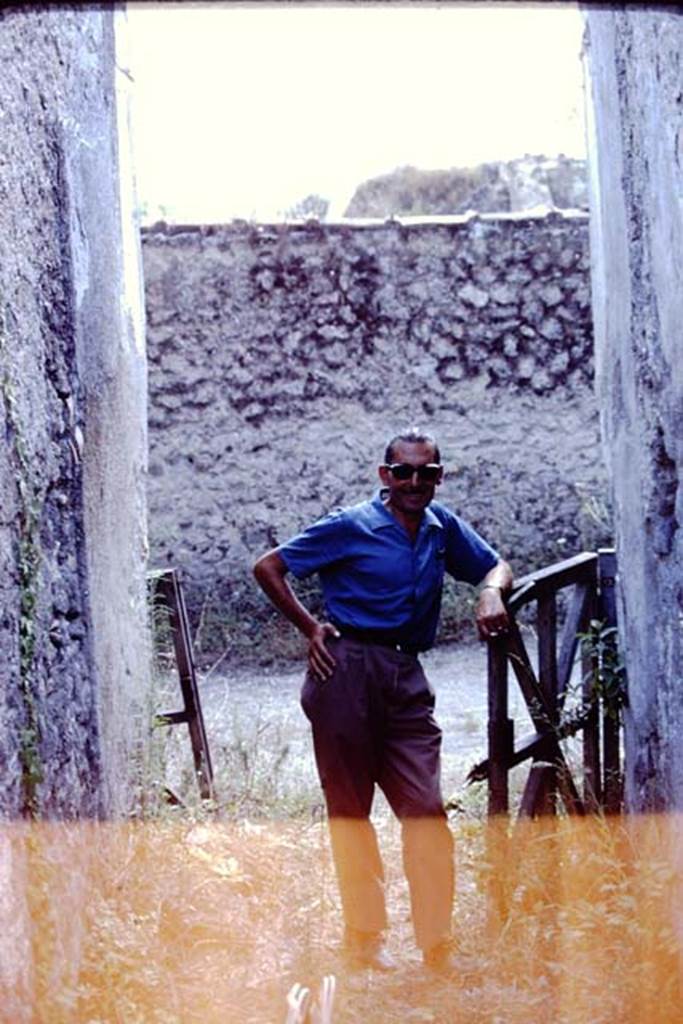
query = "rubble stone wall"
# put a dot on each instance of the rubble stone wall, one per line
(282, 356)
(636, 159)
(74, 656)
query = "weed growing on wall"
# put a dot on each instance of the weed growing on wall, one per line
(607, 675)
(596, 519)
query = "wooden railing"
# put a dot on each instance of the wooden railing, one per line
(168, 595)
(591, 576)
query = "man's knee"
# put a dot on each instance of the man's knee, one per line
(427, 837)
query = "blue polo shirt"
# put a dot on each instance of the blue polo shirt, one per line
(374, 577)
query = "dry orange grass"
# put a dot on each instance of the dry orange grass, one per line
(210, 921)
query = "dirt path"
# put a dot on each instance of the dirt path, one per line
(258, 705)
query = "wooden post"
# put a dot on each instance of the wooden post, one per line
(540, 791)
(500, 728)
(546, 794)
(592, 773)
(501, 746)
(591, 744)
(612, 777)
(168, 585)
(547, 648)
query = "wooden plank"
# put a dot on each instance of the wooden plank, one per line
(172, 718)
(536, 795)
(579, 569)
(576, 569)
(607, 610)
(568, 791)
(540, 711)
(169, 586)
(592, 775)
(520, 596)
(198, 737)
(500, 728)
(529, 746)
(542, 715)
(546, 626)
(607, 577)
(578, 618)
(612, 776)
(546, 779)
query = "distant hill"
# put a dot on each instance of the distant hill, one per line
(519, 184)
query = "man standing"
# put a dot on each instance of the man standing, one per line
(381, 565)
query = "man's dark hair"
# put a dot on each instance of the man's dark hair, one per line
(412, 436)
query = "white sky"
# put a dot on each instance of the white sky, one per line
(243, 110)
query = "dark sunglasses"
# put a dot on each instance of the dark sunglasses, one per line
(429, 472)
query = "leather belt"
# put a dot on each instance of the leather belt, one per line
(381, 637)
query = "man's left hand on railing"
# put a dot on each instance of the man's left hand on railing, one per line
(491, 615)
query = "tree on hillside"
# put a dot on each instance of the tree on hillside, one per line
(312, 207)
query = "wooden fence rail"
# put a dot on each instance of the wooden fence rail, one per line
(591, 576)
(169, 592)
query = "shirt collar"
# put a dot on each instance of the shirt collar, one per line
(380, 516)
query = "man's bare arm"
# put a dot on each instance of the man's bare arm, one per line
(491, 616)
(271, 571)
